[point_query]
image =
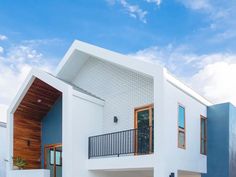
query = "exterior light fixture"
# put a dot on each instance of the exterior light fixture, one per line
(115, 119)
(39, 100)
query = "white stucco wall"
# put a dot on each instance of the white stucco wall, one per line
(188, 159)
(3, 150)
(134, 173)
(83, 120)
(122, 90)
(29, 173)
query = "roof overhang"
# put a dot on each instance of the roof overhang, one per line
(45, 77)
(79, 52)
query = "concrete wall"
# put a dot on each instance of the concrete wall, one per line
(3, 150)
(52, 127)
(122, 90)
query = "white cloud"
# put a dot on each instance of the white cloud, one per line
(212, 75)
(197, 4)
(220, 15)
(3, 112)
(134, 11)
(3, 37)
(217, 82)
(15, 64)
(1, 49)
(157, 2)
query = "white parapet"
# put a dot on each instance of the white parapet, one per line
(30, 173)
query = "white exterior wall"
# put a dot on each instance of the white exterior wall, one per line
(170, 157)
(3, 150)
(83, 120)
(184, 158)
(122, 90)
(30, 173)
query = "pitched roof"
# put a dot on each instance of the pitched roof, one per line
(79, 52)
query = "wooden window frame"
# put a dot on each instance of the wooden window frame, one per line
(205, 137)
(181, 130)
(148, 107)
(51, 146)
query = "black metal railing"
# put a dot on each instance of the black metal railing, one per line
(134, 141)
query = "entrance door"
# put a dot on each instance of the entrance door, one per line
(144, 123)
(53, 159)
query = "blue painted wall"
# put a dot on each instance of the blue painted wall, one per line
(52, 127)
(221, 156)
(232, 141)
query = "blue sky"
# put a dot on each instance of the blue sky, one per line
(109, 24)
(194, 39)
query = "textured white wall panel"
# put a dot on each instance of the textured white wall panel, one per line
(122, 90)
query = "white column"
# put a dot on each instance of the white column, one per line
(163, 167)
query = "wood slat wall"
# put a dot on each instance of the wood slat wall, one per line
(27, 122)
(27, 129)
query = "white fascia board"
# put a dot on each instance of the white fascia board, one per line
(109, 56)
(36, 73)
(66, 58)
(178, 84)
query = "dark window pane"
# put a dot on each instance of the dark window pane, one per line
(203, 135)
(143, 131)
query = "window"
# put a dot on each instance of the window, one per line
(203, 135)
(181, 127)
(144, 122)
(58, 157)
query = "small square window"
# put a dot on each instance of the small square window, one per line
(58, 157)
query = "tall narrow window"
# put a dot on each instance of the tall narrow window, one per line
(203, 135)
(181, 127)
(144, 122)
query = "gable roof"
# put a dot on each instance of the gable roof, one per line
(79, 52)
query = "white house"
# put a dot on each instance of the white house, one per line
(103, 114)
(3, 140)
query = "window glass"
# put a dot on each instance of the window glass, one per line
(58, 157)
(181, 117)
(203, 135)
(51, 157)
(181, 139)
(181, 127)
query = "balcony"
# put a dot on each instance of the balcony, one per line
(128, 142)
